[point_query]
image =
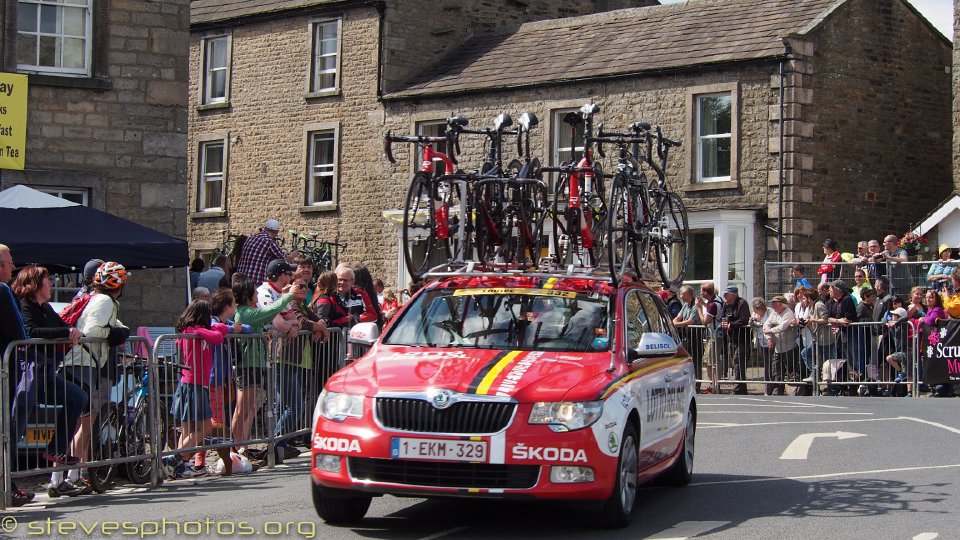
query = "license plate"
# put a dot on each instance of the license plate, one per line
(39, 435)
(438, 449)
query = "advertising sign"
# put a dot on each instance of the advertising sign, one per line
(941, 353)
(13, 120)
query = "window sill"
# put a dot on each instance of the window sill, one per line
(710, 186)
(218, 105)
(321, 94)
(208, 215)
(89, 83)
(329, 207)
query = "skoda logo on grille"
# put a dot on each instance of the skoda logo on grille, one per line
(442, 399)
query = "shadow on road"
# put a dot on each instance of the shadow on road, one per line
(731, 500)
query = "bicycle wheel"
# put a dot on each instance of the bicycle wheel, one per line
(489, 223)
(594, 208)
(671, 238)
(421, 247)
(106, 444)
(562, 236)
(620, 245)
(644, 251)
(526, 236)
(139, 441)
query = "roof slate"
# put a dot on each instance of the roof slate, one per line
(622, 42)
(209, 11)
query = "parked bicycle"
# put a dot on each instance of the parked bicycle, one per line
(324, 254)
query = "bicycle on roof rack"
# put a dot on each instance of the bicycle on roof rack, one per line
(579, 200)
(426, 212)
(647, 223)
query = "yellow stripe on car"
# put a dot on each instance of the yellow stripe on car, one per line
(492, 375)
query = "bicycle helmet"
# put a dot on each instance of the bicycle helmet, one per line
(110, 275)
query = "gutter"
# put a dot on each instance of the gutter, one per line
(273, 15)
(574, 80)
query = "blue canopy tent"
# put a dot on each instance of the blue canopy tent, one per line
(47, 230)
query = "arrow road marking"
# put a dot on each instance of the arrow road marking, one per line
(800, 446)
(687, 529)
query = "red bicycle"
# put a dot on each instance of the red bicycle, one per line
(579, 202)
(427, 219)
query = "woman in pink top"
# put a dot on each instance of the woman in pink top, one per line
(191, 401)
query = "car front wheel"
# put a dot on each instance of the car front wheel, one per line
(618, 509)
(338, 506)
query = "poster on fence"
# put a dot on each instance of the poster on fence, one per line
(941, 353)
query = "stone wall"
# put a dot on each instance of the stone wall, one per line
(121, 134)
(419, 32)
(878, 157)
(266, 123)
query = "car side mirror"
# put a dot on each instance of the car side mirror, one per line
(654, 345)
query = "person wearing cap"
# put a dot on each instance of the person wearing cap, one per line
(735, 322)
(261, 248)
(861, 336)
(89, 270)
(670, 299)
(939, 274)
(781, 334)
(841, 313)
(899, 332)
(827, 271)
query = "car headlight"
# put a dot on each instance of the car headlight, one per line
(337, 407)
(566, 415)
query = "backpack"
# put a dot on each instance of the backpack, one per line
(72, 311)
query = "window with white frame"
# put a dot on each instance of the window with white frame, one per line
(720, 248)
(216, 69)
(326, 56)
(55, 36)
(78, 195)
(714, 137)
(212, 176)
(322, 168)
(567, 141)
(433, 128)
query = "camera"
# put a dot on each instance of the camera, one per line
(802, 322)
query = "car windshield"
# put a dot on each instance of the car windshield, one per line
(505, 318)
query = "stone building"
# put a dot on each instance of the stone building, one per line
(800, 119)
(107, 123)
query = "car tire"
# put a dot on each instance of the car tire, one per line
(618, 509)
(338, 506)
(681, 472)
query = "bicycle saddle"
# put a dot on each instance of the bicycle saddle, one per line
(502, 121)
(458, 121)
(639, 126)
(589, 109)
(573, 119)
(527, 121)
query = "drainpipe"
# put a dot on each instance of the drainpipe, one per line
(780, 178)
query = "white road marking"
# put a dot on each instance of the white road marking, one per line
(807, 413)
(800, 446)
(441, 534)
(687, 529)
(926, 536)
(828, 475)
(708, 425)
(795, 404)
(941, 426)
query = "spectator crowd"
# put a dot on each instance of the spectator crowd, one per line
(260, 288)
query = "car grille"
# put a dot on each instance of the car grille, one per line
(417, 415)
(452, 475)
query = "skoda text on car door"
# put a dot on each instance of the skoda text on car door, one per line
(542, 386)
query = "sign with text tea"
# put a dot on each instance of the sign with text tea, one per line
(13, 120)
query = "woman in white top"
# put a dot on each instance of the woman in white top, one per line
(781, 333)
(758, 318)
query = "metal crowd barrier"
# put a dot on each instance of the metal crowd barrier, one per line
(856, 358)
(60, 408)
(263, 393)
(903, 276)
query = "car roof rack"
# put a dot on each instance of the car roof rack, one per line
(546, 269)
